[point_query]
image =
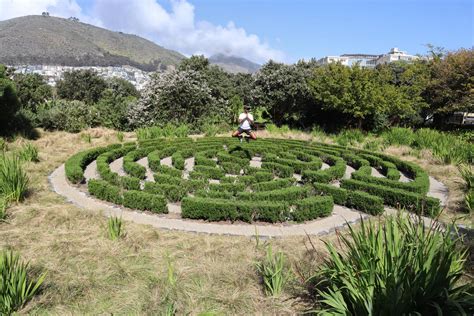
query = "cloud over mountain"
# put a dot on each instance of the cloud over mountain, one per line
(175, 28)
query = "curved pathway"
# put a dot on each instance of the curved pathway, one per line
(339, 218)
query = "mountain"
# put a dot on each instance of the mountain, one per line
(234, 64)
(47, 40)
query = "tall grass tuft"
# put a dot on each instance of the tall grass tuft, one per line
(120, 136)
(469, 200)
(349, 137)
(467, 173)
(399, 136)
(396, 268)
(13, 178)
(115, 228)
(17, 287)
(3, 208)
(274, 272)
(168, 130)
(86, 137)
(29, 152)
(3, 145)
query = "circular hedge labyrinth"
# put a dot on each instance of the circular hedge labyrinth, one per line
(289, 183)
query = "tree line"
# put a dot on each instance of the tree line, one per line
(300, 95)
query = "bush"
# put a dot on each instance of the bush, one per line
(417, 203)
(286, 194)
(273, 185)
(398, 268)
(364, 202)
(105, 191)
(169, 171)
(76, 164)
(13, 179)
(172, 193)
(278, 170)
(144, 201)
(339, 195)
(313, 207)
(17, 285)
(210, 172)
(69, 116)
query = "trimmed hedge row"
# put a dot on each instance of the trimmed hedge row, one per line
(417, 203)
(289, 195)
(332, 173)
(278, 169)
(132, 199)
(358, 200)
(313, 207)
(75, 165)
(210, 172)
(273, 185)
(223, 210)
(173, 193)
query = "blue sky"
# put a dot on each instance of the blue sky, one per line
(283, 30)
(304, 28)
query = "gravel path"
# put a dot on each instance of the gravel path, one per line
(172, 221)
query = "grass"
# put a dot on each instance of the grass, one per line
(29, 152)
(115, 228)
(3, 208)
(17, 286)
(168, 130)
(13, 178)
(120, 136)
(396, 268)
(89, 274)
(273, 271)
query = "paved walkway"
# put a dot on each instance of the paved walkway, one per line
(341, 215)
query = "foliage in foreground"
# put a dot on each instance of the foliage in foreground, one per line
(17, 287)
(13, 178)
(396, 268)
(273, 272)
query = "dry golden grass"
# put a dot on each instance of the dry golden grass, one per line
(89, 274)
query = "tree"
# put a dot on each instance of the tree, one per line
(122, 88)
(282, 90)
(9, 104)
(176, 96)
(32, 90)
(81, 85)
(452, 84)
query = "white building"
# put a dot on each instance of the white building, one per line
(368, 60)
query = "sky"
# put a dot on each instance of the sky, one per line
(282, 30)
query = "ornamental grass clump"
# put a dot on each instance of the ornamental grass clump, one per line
(29, 152)
(115, 228)
(274, 272)
(17, 286)
(13, 178)
(398, 267)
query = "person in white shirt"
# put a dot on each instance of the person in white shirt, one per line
(245, 124)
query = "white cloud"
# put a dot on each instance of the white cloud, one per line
(174, 29)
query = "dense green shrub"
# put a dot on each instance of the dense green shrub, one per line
(105, 191)
(173, 193)
(313, 207)
(364, 202)
(76, 164)
(417, 203)
(172, 172)
(397, 267)
(290, 194)
(229, 187)
(278, 170)
(273, 185)
(70, 116)
(145, 201)
(210, 172)
(339, 195)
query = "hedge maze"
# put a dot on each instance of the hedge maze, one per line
(269, 180)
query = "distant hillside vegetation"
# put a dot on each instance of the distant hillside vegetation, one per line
(234, 64)
(45, 40)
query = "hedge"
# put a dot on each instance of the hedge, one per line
(230, 167)
(214, 194)
(144, 201)
(105, 191)
(278, 169)
(177, 160)
(339, 195)
(223, 209)
(75, 165)
(417, 203)
(173, 193)
(229, 187)
(365, 202)
(169, 171)
(262, 176)
(210, 172)
(289, 195)
(273, 185)
(133, 168)
(327, 175)
(167, 179)
(313, 207)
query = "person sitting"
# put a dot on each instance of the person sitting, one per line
(245, 124)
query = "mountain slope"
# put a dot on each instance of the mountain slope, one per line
(56, 41)
(234, 64)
